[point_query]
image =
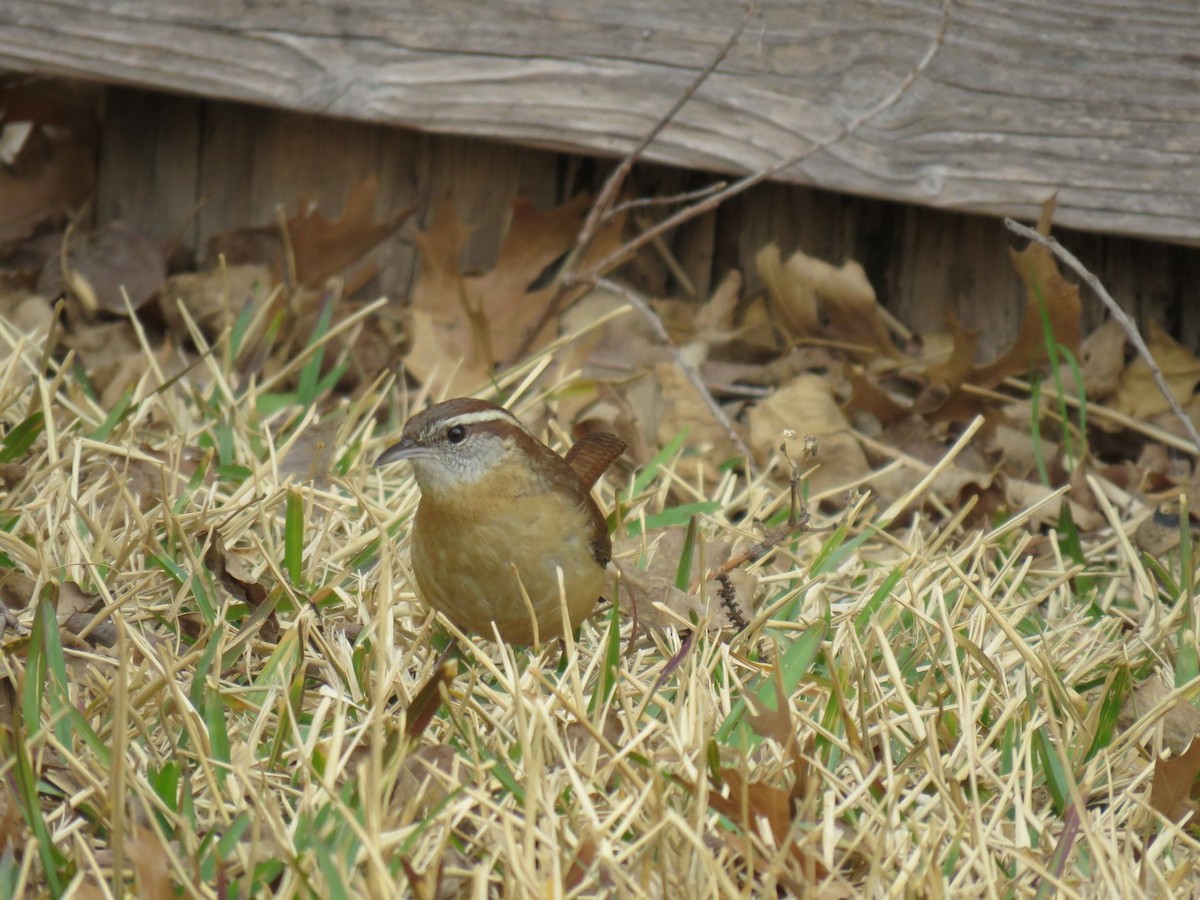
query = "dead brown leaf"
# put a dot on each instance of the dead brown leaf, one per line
(12, 825)
(650, 594)
(321, 248)
(1137, 394)
(212, 298)
(1159, 533)
(1044, 285)
(714, 320)
(70, 600)
(156, 480)
(814, 299)
(696, 329)
(942, 397)
(231, 572)
(311, 455)
(1023, 494)
(1102, 361)
(145, 850)
(426, 775)
(1174, 778)
(104, 266)
(463, 326)
(866, 395)
(806, 406)
(1179, 725)
(751, 802)
(16, 588)
(324, 248)
(53, 190)
(681, 406)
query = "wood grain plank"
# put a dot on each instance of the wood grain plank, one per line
(149, 164)
(1098, 100)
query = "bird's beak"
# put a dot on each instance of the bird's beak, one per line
(406, 448)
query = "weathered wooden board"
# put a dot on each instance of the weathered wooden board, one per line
(165, 156)
(1098, 100)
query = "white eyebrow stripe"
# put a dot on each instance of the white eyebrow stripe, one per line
(486, 415)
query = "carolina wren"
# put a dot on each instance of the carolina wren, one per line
(501, 515)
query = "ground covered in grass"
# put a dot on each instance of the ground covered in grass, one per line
(211, 652)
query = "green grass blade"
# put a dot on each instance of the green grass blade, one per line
(58, 694)
(1057, 781)
(1035, 430)
(293, 538)
(794, 665)
(114, 417)
(18, 441)
(1110, 709)
(214, 717)
(683, 571)
(863, 619)
(54, 864)
(612, 661)
(308, 388)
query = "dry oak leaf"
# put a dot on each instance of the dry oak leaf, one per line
(1102, 360)
(321, 248)
(12, 823)
(806, 406)
(680, 407)
(866, 395)
(696, 330)
(463, 326)
(212, 298)
(105, 266)
(59, 186)
(1174, 778)
(1138, 396)
(651, 596)
(943, 398)
(324, 248)
(1044, 285)
(971, 474)
(1179, 723)
(144, 848)
(814, 299)
(1020, 494)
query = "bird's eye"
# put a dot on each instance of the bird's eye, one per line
(455, 434)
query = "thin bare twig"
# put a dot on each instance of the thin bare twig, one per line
(622, 253)
(691, 374)
(612, 185)
(1123, 319)
(569, 288)
(685, 197)
(571, 285)
(673, 265)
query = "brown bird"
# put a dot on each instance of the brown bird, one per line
(501, 517)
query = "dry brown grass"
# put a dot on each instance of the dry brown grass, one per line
(943, 687)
